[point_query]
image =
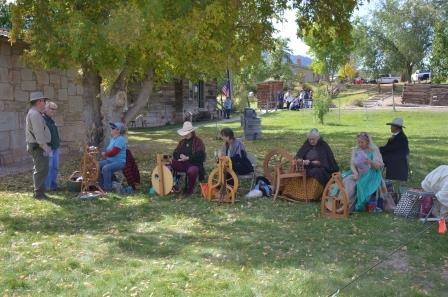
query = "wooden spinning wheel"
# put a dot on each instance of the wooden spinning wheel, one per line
(161, 177)
(90, 170)
(335, 202)
(221, 188)
(277, 160)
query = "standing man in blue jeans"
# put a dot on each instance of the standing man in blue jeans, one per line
(115, 155)
(53, 158)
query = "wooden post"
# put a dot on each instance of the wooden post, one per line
(393, 97)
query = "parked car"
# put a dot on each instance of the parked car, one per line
(359, 81)
(388, 79)
(420, 75)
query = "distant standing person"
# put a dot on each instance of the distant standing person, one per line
(37, 136)
(396, 151)
(227, 107)
(53, 158)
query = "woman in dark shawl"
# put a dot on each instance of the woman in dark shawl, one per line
(317, 157)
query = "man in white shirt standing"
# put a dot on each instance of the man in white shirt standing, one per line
(37, 138)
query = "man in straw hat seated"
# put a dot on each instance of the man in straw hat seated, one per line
(189, 156)
(37, 136)
(396, 151)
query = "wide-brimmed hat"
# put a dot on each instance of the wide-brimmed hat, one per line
(186, 128)
(118, 125)
(398, 122)
(34, 96)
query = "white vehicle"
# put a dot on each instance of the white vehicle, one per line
(420, 75)
(387, 79)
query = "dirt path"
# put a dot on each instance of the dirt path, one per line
(385, 102)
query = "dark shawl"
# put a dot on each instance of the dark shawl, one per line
(395, 157)
(198, 156)
(328, 164)
(131, 171)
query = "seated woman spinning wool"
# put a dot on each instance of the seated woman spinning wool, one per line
(115, 156)
(365, 177)
(317, 157)
(235, 150)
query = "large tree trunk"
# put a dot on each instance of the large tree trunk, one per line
(142, 98)
(409, 72)
(91, 82)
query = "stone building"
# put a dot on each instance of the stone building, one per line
(303, 71)
(173, 102)
(169, 104)
(16, 83)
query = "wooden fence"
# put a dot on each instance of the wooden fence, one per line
(426, 94)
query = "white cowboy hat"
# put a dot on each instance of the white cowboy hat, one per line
(397, 122)
(186, 128)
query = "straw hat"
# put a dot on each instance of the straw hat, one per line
(398, 122)
(186, 129)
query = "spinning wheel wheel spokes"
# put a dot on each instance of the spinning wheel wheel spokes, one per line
(277, 158)
(220, 187)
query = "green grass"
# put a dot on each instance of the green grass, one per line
(166, 246)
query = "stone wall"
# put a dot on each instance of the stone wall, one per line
(16, 83)
(167, 105)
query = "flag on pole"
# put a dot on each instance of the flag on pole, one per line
(226, 89)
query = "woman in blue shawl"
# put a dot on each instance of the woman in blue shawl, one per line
(235, 150)
(365, 177)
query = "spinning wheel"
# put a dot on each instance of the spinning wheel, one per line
(161, 177)
(90, 170)
(222, 182)
(277, 160)
(335, 201)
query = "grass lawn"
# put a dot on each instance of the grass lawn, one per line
(167, 246)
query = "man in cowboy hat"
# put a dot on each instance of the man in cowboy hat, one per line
(37, 137)
(396, 151)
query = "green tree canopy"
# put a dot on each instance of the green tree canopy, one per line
(114, 42)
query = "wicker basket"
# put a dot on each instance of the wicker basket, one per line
(293, 188)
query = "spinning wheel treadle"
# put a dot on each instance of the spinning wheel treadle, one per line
(277, 160)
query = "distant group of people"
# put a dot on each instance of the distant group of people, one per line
(286, 100)
(366, 164)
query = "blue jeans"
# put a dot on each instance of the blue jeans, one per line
(107, 168)
(51, 182)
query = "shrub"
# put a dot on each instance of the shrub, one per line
(321, 104)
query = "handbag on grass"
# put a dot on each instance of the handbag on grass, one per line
(410, 203)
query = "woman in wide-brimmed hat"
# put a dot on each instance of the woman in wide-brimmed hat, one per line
(396, 151)
(189, 156)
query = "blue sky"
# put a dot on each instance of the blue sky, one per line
(288, 28)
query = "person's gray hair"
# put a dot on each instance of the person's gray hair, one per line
(314, 133)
